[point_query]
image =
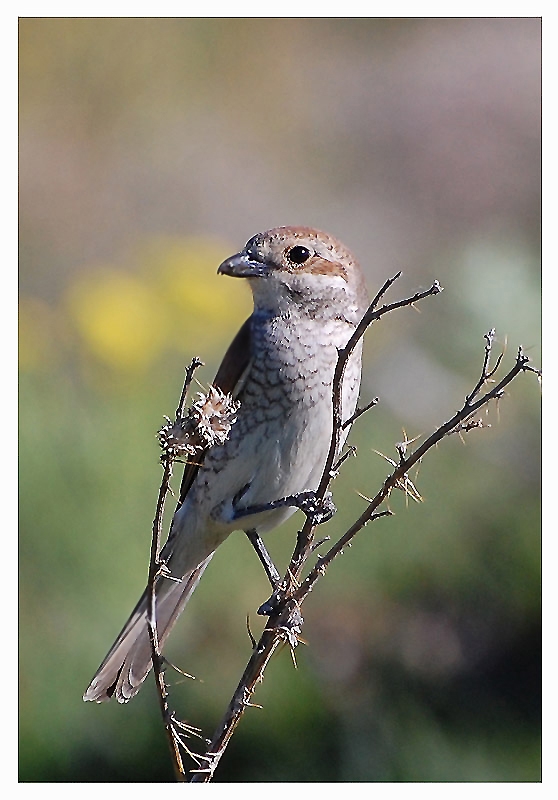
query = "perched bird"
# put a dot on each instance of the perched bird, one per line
(309, 295)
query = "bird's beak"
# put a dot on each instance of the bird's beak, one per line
(242, 266)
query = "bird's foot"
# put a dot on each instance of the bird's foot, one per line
(316, 510)
(273, 604)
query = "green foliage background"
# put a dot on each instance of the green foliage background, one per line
(150, 149)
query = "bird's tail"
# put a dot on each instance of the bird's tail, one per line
(129, 660)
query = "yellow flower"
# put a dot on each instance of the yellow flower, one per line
(120, 319)
(204, 308)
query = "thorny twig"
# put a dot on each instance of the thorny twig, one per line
(156, 571)
(205, 423)
(398, 476)
(359, 412)
(285, 620)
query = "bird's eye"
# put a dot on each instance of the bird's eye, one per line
(298, 254)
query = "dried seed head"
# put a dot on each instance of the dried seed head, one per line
(207, 423)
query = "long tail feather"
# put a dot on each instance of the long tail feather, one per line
(129, 659)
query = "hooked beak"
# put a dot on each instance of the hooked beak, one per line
(242, 266)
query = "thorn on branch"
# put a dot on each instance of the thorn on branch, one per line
(436, 288)
(351, 451)
(165, 660)
(191, 730)
(320, 543)
(465, 427)
(523, 361)
(293, 657)
(292, 628)
(164, 572)
(486, 371)
(254, 643)
(359, 412)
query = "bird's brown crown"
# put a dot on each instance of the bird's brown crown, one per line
(301, 249)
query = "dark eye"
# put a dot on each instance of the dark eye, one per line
(298, 254)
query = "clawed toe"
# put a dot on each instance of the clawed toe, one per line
(316, 510)
(271, 605)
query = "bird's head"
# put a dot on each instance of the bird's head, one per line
(302, 267)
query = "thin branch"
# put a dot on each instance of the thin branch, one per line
(156, 571)
(283, 626)
(305, 538)
(285, 621)
(359, 412)
(190, 369)
(351, 451)
(372, 315)
(405, 464)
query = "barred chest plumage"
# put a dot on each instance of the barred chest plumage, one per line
(292, 367)
(279, 443)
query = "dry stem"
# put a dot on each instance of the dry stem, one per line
(285, 622)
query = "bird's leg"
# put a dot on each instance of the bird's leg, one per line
(317, 510)
(270, 569)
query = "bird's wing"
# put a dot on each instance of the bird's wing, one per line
(229, 379)
(236, 361)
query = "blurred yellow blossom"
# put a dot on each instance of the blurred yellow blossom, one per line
(120, 319)
(204, 308)
(171, 299)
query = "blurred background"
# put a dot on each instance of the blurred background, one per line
(150, 149)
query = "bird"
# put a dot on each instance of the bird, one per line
(309, 295)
